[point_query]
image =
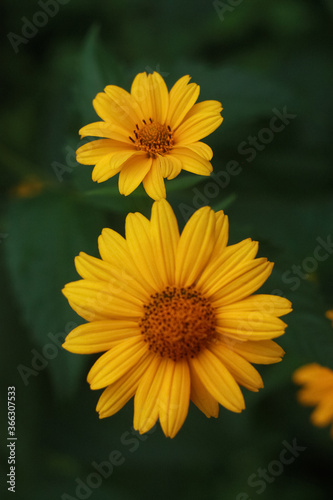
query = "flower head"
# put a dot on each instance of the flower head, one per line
(317, 391)
(150, 134)
(176, 316)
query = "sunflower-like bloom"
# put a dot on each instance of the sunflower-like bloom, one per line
(150, 134)
(317, 391)
(175, 315)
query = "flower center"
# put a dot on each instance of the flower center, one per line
(178, 322)
(153, 138)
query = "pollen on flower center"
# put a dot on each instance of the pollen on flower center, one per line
(178, 322)
(153, 138)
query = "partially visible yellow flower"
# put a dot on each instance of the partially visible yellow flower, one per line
(176, 316)
(317, 391)
(150, 134)
(329, 315)
(29, 188)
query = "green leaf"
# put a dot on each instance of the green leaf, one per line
(225, 203)
(244, 94)
(95, 71)
(108, 197)
(45, 234)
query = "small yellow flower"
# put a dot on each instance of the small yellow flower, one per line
(176, 316)
(329, 314)
(30, 187)
(317, 391)
(150, 134)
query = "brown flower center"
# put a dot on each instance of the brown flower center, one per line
(153, 138)
(178, 322)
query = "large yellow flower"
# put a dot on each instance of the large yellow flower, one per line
(176, 317)
(150, 134)
(317, 391)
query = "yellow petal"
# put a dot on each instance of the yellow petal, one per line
(139, 240)
(224, 266)
(191, 161)
(165, 237)
(317, 390)
(201, 121)
(93, 269)
(310, 372)
(308, 397)
(107, 130)
(242, 371)
(245, 281)
(99, 336)
(182, 98)
(87, 314)
(221, 234)
(174, 396)
(146, 401)
(104, 299)
(133, 172)
(151, 93)
(170, 166)
(269, 304)
(110, 112)
(202, 398)
(120, 277)
(114, 250)
(205, 108)
(141, 92)
(116, 395)
(154, 183)
(110, 165)
(94, 151)
(115, 363)
(201, 149)
(249, 325)
(323, 414)
(103, 165)
(218, 380)
(264, 352)
(195, 246)
(124, 107)
(329, 315)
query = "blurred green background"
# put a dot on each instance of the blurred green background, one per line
(260, 59)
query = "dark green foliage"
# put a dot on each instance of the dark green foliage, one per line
(260, 59)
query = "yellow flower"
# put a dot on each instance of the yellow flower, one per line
(176, 317)
(329, 315)
(150, 134)
(317, 391)
(30, 187)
